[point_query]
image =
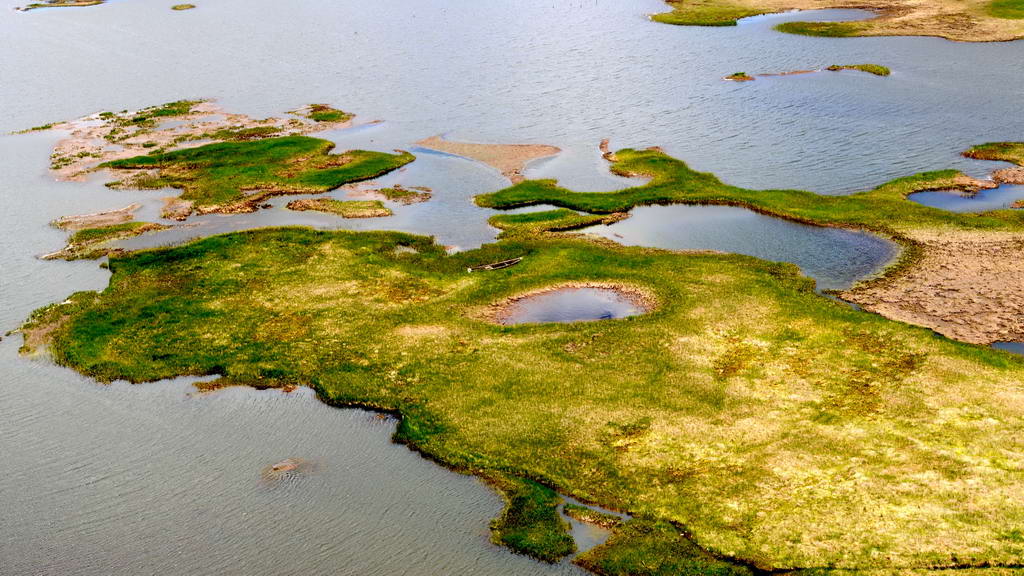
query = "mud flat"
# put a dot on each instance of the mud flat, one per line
(964, 285)
(509, 159)
(98, 219)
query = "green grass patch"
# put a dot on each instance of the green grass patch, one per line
(827, 29)
(343, 208)
(1010, 9)
(884, 209)
(591, 516)
(704, 13)
(739, 77)
(651, 548)
(324, 113)
(1002, 151)
(547, 221)
(759, 415)
(530, 523)
(876, 69)
(243, 173)
(183, 7)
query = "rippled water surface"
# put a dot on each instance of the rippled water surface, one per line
(148, 479)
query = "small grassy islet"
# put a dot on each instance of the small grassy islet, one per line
(876, 69)
(323, 113)
(343, 208)
(238, 175)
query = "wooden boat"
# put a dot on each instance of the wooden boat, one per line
(495, 265)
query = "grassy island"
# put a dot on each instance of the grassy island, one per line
(968, 21)
(876, 69)
(739, 77)
(237, 176)
(745, 414)
(323, 113)
(343, 208)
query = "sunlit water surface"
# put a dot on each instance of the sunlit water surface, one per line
(150, 479)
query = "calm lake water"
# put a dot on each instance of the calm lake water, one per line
(834, 257)
(955, 201)
(148, 479)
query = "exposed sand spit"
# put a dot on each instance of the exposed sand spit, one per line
(98, 219)
(509, 159)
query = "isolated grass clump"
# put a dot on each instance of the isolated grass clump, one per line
(403, 195)
(343, 208)
(739, 77)
(180, 7)
(755, 413)
(827, 29)
(876, 69)
(243, 173)
(324, 113)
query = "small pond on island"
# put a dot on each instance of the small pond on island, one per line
(571, 304)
